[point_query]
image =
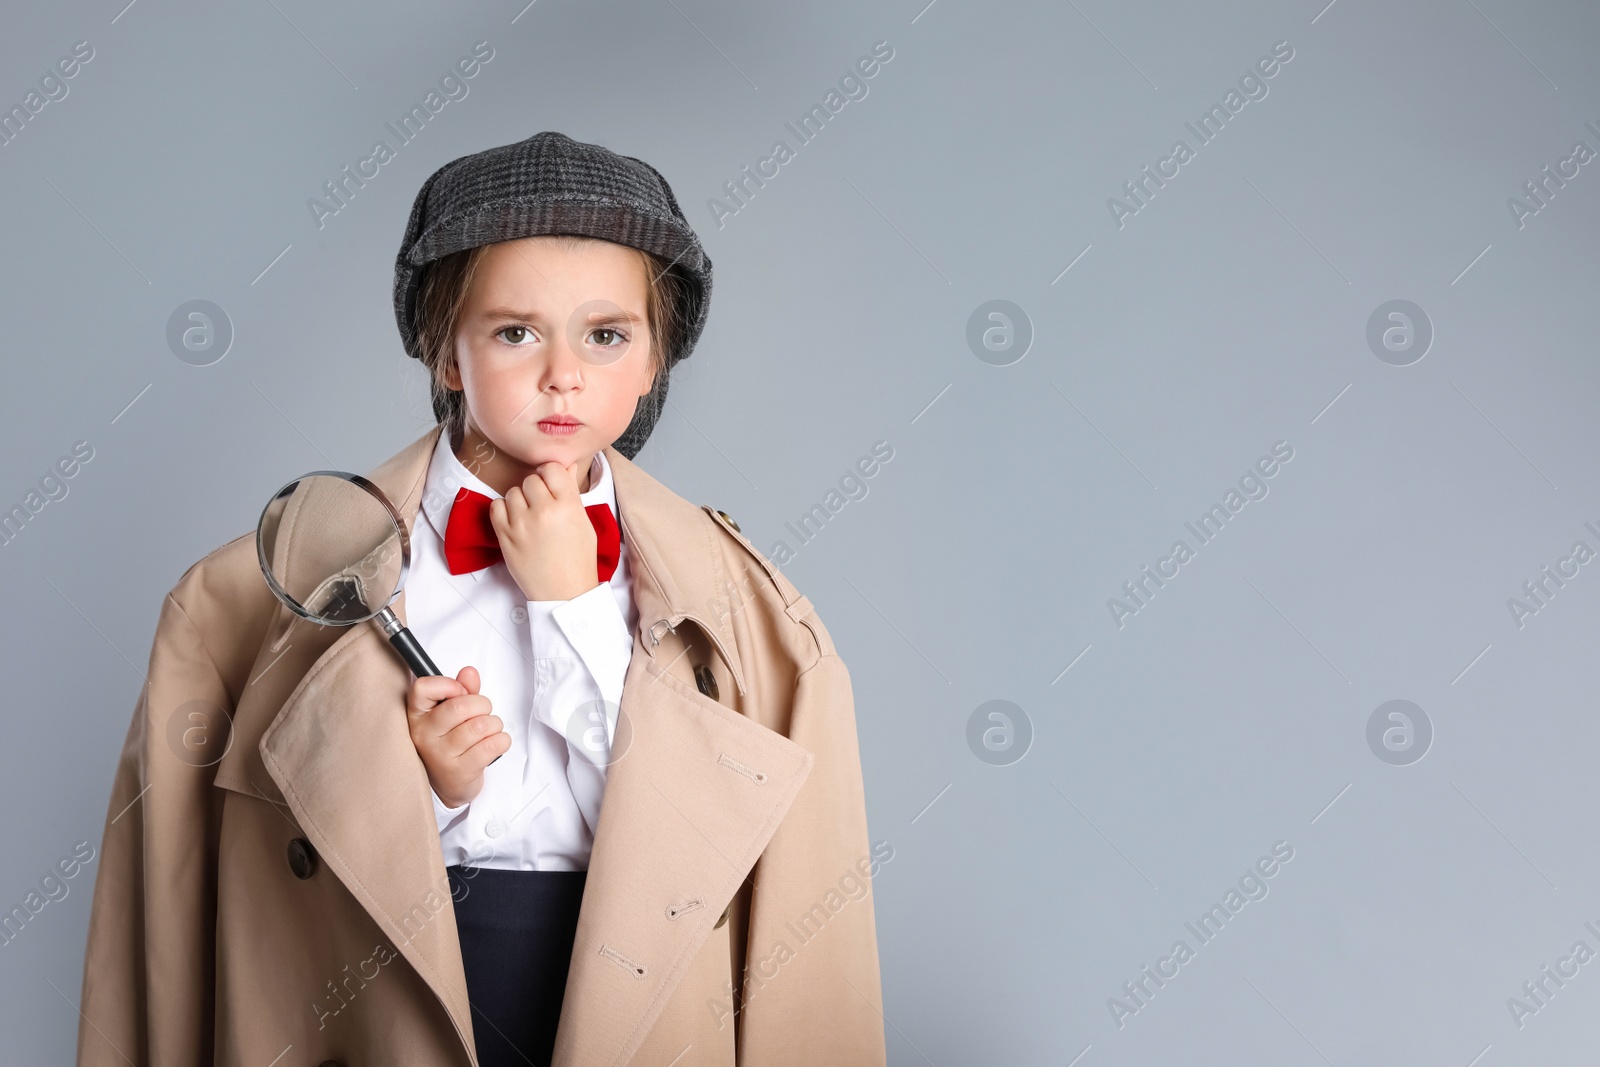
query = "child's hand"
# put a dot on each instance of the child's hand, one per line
(545, 535)
(454, 733)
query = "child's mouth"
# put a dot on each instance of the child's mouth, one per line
(561, 426)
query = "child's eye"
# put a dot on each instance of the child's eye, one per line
(618, 338)
(521, 334)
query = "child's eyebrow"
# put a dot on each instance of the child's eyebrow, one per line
(509, 313)
(594, 318)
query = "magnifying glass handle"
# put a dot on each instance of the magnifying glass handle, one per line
(410, 650)
(405, 643)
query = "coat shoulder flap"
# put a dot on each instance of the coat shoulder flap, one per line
(795, 604)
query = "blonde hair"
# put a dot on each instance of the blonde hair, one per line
(443, 293)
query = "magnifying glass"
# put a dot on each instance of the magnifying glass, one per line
(334, 549)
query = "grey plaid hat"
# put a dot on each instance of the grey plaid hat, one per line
(551, 184)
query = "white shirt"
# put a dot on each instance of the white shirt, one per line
(539, 662)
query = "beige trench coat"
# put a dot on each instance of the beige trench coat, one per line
(287, 903)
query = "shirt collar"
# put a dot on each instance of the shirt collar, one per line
(678, 569)
(447, 475)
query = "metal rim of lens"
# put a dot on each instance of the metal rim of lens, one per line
(394, 517)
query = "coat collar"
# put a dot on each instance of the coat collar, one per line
(689, 805)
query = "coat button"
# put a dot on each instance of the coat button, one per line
(302, 858)
(705, 680)
(729, 519)
(724, 917)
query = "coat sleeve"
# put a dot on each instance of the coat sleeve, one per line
(811, 990)
(148, 982)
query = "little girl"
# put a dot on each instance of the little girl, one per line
(647, 841)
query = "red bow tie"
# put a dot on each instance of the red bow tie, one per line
(471, 544)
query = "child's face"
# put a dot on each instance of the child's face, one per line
(550, 331)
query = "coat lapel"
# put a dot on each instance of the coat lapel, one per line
(694, 795)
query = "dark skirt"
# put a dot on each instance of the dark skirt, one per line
(516, 930)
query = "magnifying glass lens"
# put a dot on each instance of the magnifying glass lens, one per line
(333, 548)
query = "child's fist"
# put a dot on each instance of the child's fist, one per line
(454, 733)
(545, 534)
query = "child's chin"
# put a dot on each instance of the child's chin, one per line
(565, 451)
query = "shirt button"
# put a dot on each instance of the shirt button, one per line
(302, 858)
(519, 614)
(495, 827)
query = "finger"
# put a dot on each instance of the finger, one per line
(469, 679)
(559, 479)
(429, 691)
(486, 751)
(456, 742)
(536, 489)
(450, 714)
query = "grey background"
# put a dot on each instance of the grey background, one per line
(1228, 314)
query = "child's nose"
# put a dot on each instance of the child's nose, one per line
(565, 365)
